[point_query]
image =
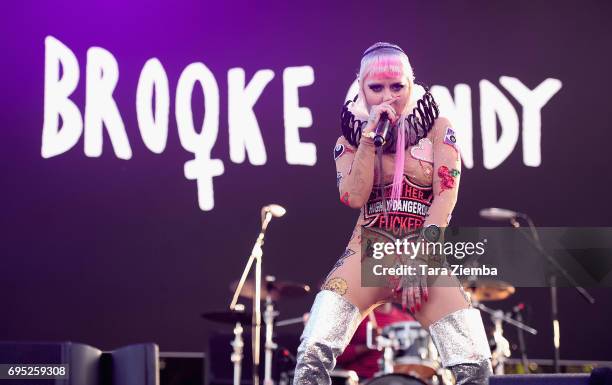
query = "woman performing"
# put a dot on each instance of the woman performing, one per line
(409, 184)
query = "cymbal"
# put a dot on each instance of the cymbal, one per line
(228, 317)
(279, 289)
(489, 290)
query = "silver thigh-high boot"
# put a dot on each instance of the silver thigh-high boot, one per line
(463, 346)
(330, 327)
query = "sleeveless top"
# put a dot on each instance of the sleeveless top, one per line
(403, 215)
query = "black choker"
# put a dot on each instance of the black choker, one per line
(420, 122)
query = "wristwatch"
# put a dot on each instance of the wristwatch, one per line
(431, 233)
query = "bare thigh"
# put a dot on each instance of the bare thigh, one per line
(445, 293)
(345, 279)
(445, 297)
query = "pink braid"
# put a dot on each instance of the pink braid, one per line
(400, 154)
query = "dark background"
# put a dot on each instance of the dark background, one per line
(110, 252)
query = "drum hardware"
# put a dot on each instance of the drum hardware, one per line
(388, 345)
(407, 349)
(236, 357)
(416, 355)
(518, 311)
(290, 321)
(267, 213)
(488, 290)
(506, 318)
(557, 270)
(269, 346)
(502, 350)
(502, 346)
(275, 289)
(237, 316)
(272, 290)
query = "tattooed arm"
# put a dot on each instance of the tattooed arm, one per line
(354, 171)
(355, 167)
(447, 168)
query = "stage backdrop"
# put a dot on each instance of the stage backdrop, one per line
(140, 140)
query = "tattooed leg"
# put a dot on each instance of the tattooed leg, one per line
(337, 285)
(353, 234)
(347, 253)
(345, 280)
(332, 322)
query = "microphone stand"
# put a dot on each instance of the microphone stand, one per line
(522, 347)
(256, 255)
(535, 241)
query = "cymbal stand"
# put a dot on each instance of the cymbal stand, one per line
(502, 350)
(502, 346)
(236, 356)
(269, 316)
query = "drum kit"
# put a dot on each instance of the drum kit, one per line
(271, 291)
(409, 356)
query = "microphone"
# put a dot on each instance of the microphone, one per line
(382, 130)
(496, 214)
(277, 211)
(519, 307)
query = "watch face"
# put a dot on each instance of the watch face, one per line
(431, 233)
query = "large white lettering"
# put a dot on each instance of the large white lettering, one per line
(153, 125)
(493, 104)
(295, 116)
(100, 107)
(532, 102)
(56, 140)
(245, 135)
(202, 168)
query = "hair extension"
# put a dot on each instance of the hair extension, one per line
(400, 157)
(379, 179)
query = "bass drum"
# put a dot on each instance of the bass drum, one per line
(338, 377)
(416, 354)
(394, 379)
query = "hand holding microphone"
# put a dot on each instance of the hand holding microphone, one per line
(379, 122)
(380, 135)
